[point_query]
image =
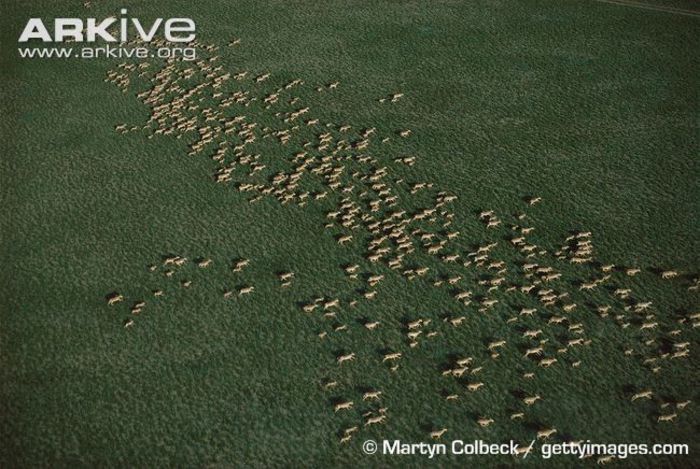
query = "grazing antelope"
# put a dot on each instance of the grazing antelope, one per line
(415, 324)
(531, 400)
(204, 263)
(680, 354)
(128, 323)
(375, 420)
(517, 415)
(374, 279)
(550, 277)
(546, 433)
(176, 260)
(522, 451)
(457, 321)
(518, 240)
(454, 280)
(496, 344)
(114, 299)
(572, 342)
(533, 351)
(392, 356)
(246, 290)
(351, 430)
(286, 276)
(344, 358)
(414, 335)
(372, 325)
(464, 361)
(474, 386)
(343, 406)
(667, 274)
(532, 334)
(484, 422)
(463, 295)
(240, 265)
(450, 258)
(330, 384)
(496, 265)
(331, 304)
(667, 417)
(605, 459)
(547, 362)
(309, 307)
(581, 260)
(371, 395)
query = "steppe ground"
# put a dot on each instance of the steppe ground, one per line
(593, 106)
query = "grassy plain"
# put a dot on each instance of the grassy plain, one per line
(590, 105)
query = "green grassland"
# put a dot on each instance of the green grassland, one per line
(590, 105)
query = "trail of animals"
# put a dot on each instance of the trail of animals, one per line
(539, 292)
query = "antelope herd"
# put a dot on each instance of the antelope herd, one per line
(546, 305)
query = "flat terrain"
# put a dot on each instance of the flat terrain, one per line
(591, 106)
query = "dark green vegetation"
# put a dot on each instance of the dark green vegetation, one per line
(590, 105)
